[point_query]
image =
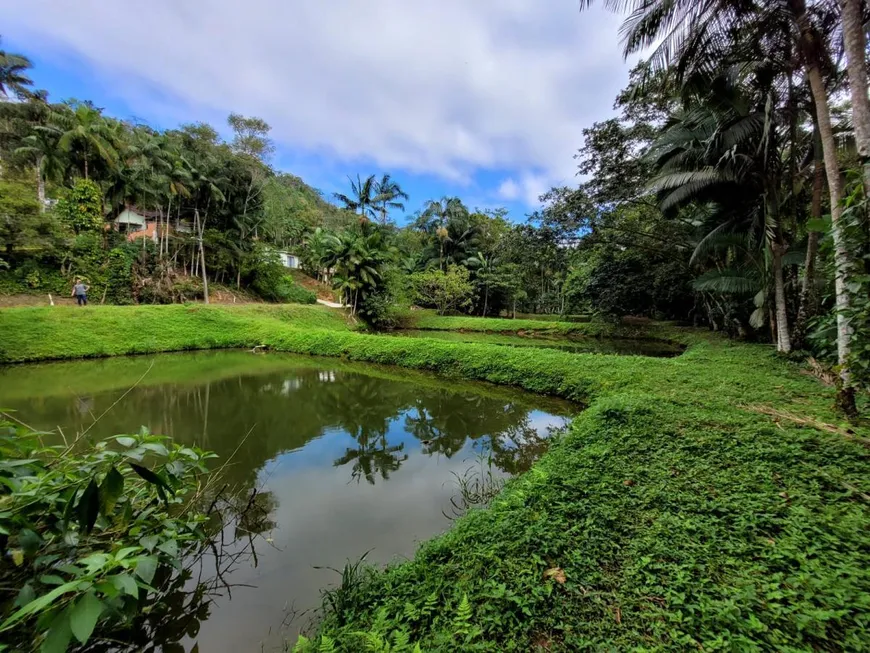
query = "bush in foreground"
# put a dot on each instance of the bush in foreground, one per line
(85, 531)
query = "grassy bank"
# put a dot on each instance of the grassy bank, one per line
(430, 320)
(676, 514)
(43, 333)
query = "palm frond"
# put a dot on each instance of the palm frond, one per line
(728, 281)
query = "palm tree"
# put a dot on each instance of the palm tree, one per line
(42, 146)
(442, 212)
(357, 260)
(485, 267)
(387, 192)
(82, 131)
(724, 152)
(362, 199)
(855, 45)
(683, 29)
(13, 79)
(812, 46)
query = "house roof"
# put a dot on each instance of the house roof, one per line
(132, 211)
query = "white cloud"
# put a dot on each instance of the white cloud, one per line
(448, 87)
(509, 190)
(529, 187)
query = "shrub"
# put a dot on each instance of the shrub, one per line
(82, 207)
(445, 291)
(85, 529)
(380, 311)
(272, 283)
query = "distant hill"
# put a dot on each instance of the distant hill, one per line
(308, 204)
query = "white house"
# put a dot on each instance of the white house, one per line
(289, 260)
(137, 223)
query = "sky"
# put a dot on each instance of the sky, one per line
(482, 99)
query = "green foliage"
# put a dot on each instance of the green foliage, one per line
(81, 208)
(272, 282)
(119, 276)
(445, 290)
(86, 528)
(614, 282)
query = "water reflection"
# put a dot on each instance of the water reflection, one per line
(326, 460)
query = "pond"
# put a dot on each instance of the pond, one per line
(346, 458)
(577, 344)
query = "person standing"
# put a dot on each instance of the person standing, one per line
(80, 292)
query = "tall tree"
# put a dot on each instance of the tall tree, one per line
(362, 199)
(683, 29)
(812, 45)
(42, 147)
(84, 134)
(387, 193)
(443, 212)
(13, 74)
(855, 44)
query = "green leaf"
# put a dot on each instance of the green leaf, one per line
(29, 541)
(125, 441)
(150, 476)
(127, 584)
(817, 224)
(84, 616)
(149, 542)
(59, 635)
(157, 448)
(126, 551)
(25, 595)
(110, 490)
(89, 507)
(170, 548)
(146, 567)
(38, 604)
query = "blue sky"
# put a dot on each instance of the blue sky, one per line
(485, 100)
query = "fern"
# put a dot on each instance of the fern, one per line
(462, 620)
(327, 645)
(430, 605)
(410, 612)
(401, 641)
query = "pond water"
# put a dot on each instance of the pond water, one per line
(575, 343)
(346, 459)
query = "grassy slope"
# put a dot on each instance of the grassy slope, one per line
(28, 334)
(429, 320)
(681, 518)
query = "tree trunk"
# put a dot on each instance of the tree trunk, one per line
(843, 263)
(86, 166)
(201, 227)
(807, 290)
(855, 42)
(40, 183)
(485, 300)
(783, 339)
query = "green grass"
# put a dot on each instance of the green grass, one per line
(545, 324)
(681, 517)
(42, 333)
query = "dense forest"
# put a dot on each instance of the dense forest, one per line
(728, 190)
